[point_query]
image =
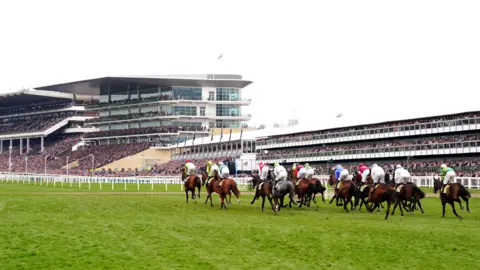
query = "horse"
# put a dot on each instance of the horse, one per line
(190, 184)
(255, 180)
(314, 187)
(226, 186)
(346, 191)
(301, 187)
(205, 181)
(357, 178)
(381, 193)
(281, 189)
(409, 193)
(452, 194)
(264, 189)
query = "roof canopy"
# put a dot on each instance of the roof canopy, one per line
(27, 97)
(92, 86)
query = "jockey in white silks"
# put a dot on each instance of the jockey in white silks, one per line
(211, 169)
(402, 176)
(224, 172)
(378, 174)
(263, 171)
(302, 172)
(189, 169)
(341, 174)
(310, 171)
(280, 174)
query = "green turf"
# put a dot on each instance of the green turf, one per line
(163, 232)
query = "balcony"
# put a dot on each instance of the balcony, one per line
(169, 100)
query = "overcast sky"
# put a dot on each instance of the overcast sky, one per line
(314, 59)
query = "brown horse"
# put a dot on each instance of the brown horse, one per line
(265, 190)
(346, 192)
(192, 182)
(452, 194)
(226, 186)
(205, 180)
(409, 194)
(315, 186)
(301, 187)
(382, 193)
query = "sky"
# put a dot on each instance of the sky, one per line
(307, 59)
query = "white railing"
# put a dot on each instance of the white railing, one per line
(243, 183)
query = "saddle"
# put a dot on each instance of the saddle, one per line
(445, 190)
(362, 188)
(260, 186)
(399, 188)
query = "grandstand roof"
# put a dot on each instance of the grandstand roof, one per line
(247, 135)
(26, 97)
(92, 86)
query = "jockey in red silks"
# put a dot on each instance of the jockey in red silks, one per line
(364, 171)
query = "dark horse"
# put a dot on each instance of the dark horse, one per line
(226, 186)
(315, 186)
(409, 194)
(453, 194)
(346, 191)
(301, 188)
(381, 193)
(192, 182)
(264, 190)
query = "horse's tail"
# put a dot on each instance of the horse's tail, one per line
(463, 192)
(417, 190)
(234, 189)
(319, 186)
(198, 181)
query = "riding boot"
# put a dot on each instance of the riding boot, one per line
(443, 187)
(218, 185)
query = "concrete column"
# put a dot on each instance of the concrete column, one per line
(11, 143)
(28, 145)
(1, 147)
(21, 146)
(41, 144)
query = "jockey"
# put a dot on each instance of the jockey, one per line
(340, 174)
(224, 172)
(378, 174)
(211, 169)
(189, 169)
(402, 176)
(364, 171)
(310, 171)
(280, 174)
(301, 172)
(447, 175)
(264, 171)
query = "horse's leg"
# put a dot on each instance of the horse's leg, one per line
(443, 206)
(263, 202)
(460, 202)
(333, 198)
(345, 204)
(199, 187)
(395, 207)
(420, 206)
(466, 202)
(186, 194)
(273, 205)
(389, 203)
(323, 197)
(193, 193)
(454, 211)
(223, 197)
(255, 197)
(210, 195)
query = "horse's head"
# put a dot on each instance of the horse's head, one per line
(369, 178)
(437, 184)
(270, 175)
(331, 179)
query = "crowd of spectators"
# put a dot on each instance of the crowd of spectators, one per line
(133, 101)
(128, 116)
(145, 130)
(464, 167)
(35, 108)
(310, 135)
(32, 123)
(427, 141)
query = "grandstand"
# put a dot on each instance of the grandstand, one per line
(161, 110)
(421, 144)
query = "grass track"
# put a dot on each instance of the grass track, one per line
(163, 232)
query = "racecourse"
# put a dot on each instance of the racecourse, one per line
(54, 227)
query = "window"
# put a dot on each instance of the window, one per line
(185, 110)
(202, 111)
(228, 94)
(188, 93)
(211, 95)
(228, 110)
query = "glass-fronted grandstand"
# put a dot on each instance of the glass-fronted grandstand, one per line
(160, 109)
